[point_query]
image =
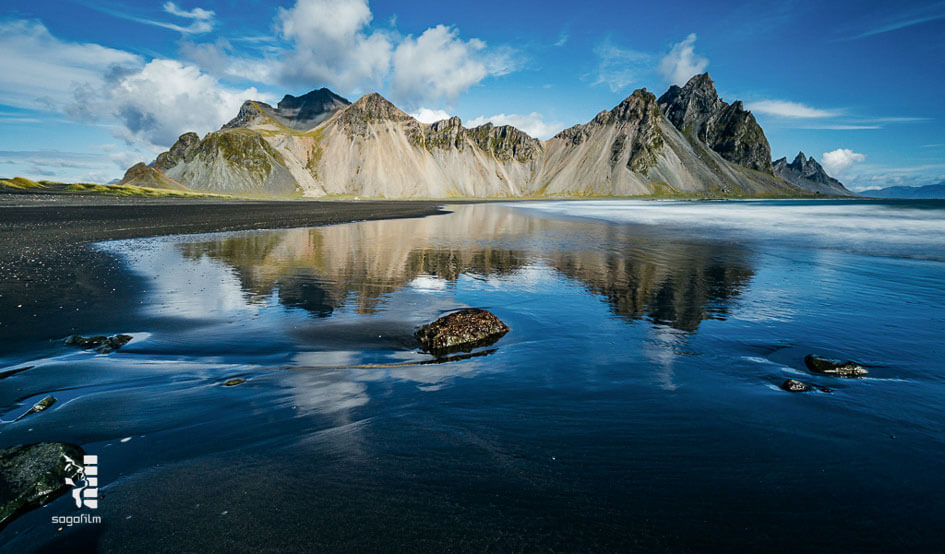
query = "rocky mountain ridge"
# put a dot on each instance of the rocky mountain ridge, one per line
(689, 143)
(807, 173)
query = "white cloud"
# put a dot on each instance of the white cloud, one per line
(198, 14)
(840, 160)
(40, 71)
(534, 123)
(619, 67)
(332, 44)
(427, 115)
(217, 59)
(439, 64)
(682, 62)
(783, 108)
(162, 100)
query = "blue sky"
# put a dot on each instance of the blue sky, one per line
(91, 87)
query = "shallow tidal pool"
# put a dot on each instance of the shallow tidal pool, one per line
(635, 403)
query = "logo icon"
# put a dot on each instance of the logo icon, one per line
(84, 482)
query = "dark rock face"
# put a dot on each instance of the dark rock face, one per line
(184, 150)
(810, 175)
(729, 130)
(793, 385)
(99, 343)
(505, 142)
(32, 475)
(834, 367)
(462, 330)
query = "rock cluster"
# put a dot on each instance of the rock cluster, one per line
(99, 343)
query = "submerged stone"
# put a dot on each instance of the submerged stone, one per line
(34, 474)
(793, 385)
(100, 343)
(39, 406)
(462, 330)
(834, 367)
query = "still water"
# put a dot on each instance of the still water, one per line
(633, 405)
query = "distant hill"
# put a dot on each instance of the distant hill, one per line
(689, 143)
(936, 191)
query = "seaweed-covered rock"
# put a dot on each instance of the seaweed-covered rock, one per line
(793, 385)
(462, 330)
(234, 382)
(39, 406)
(834, 367)
(99, 343)
(34, 474)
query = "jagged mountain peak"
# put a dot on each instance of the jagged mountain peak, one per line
(318, 98)
(809, 174)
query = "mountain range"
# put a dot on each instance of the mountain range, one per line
(686, 143)
(927, 192)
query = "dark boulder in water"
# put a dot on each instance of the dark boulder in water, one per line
(834, 367)
(793, 385)
(99, 343)
(462, 330)
(34, 474)
(234, 382)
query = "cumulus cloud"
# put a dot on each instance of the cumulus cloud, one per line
(440, 65)
(783, 108)
(160, 101)
(427, 115)
(217, 58)
(333, 44)
(619, 67)
(40, 71)
(840, 160)
(534, 123)
(682, 62)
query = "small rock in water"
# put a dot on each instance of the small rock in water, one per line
(99, 343)
(834, 367)
(39, 406)
(234, 382)
(32, 475)
(793, 385)
(462, 330)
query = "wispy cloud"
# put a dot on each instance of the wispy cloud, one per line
(841, 127)
(202, 21)
(784, 108)
(619, 67)
(915, 16)
(562, 38)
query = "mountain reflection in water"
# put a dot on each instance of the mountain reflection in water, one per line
(641, 275)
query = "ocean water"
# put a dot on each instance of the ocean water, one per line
(634, 405)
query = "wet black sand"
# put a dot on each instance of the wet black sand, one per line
(54, 283)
